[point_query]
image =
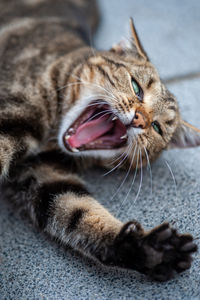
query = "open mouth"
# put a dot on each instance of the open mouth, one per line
(96, 128)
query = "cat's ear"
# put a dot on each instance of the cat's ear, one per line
(185, 136)
(136, 41)
(133, 44)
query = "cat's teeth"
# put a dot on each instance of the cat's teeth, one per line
(123, 137)
(74, 150)
(67, 137)
(71, 130)
(115, 118)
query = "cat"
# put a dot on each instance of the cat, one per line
(62, 101)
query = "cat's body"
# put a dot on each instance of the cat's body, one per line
(50, 85)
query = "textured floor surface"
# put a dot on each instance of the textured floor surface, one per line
(32, 267)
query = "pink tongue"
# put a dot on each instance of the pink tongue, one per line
(90, 131)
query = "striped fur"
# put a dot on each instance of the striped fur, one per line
(49, 74)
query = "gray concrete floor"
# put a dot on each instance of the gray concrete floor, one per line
(32, 267)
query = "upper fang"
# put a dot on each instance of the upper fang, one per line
(115, 118)
(123, 137)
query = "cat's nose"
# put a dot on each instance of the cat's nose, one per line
(139, 120)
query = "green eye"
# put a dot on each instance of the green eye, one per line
(137, 90)
(156, 127)
(135, 87)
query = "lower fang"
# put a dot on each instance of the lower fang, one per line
(74, 150)
(123, 137)
(67, 137)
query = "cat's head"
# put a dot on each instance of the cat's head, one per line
(118, 104)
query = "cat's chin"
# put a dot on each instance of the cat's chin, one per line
(96, 128)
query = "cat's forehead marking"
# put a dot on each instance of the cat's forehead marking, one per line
(150, 83)
(172, 107)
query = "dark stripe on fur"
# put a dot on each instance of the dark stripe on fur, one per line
(105, 74)
(170, 99)
(77, 87)
(56, 158)
(11, 100)
(46, 195)
(112, 62)
(45, 95)
(19, 127)
(54, 79)
(151, 81)
(79, 61)
(172, 108)
(20, 151)
(51, 8)
(75, 218)
(170, 122)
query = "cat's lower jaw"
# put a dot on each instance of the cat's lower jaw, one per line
(159, 254)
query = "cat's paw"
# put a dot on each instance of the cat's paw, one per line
(159, 253)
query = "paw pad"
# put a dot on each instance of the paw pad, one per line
(159, 253)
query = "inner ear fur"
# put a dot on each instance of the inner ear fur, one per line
(185, 136)
(135, 46)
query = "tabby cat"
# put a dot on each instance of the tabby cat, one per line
(60, 102)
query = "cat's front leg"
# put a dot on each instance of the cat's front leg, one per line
(59, 203)
(80, 221)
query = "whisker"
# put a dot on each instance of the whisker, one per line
(141, 179)
(93, 84)
(104, 112)
(125, 156)
(67, 85)
(134, 175)
(124, 200)
(103, 96)
(173, 177)
(125, 177)
(117, 158)
(96, 102)
(133, 179)
(83, 83)
(149, 166)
